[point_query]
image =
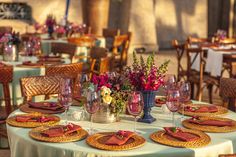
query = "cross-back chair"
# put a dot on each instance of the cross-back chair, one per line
(109, 34)
(64, 48)
(181, 70)
(120, 50)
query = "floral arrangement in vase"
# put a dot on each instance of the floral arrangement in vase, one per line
(220, 34)
(10, 45)
(32, 46)
(60, 31)
(50, 23)
(147, 78)
(112, 94)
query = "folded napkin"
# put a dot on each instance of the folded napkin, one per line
(45, 105)
(211, 122)
(61, 130)
(29, 63)
(201, 109)
(119, 138)
(41, 119)
(180, 135)
(160, 100)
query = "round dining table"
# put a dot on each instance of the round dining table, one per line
(22, 145)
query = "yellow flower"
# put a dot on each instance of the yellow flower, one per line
(105, 91)
(107, 99)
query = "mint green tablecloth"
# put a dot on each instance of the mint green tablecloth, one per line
(23, 146)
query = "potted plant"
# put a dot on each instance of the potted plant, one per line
(147, 78)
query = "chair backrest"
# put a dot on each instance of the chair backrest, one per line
(64, 48)
(196, 40)
(86, 41)
(192, 55)
(6, 77)
(180, 49)
(98, 52)
(103, 66)
(110, 33)
(39, 85)
(228, 92)
(67, 70)
(118, 42)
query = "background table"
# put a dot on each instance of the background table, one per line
(22, 145)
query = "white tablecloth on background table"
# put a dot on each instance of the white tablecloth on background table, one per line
(22, 145)
(214, 61)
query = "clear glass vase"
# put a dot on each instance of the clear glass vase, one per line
(104, 115)
(10, 53)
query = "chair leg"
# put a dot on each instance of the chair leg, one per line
(210, 88)
(192, 90)
(199, 92)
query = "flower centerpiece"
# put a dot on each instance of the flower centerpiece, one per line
(60, 31)
(50, 23)
(220, 35)
(147, 78)
(113, 100)
(10, 43)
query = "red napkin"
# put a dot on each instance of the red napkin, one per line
(41, 119)
(201, 109)
(180, 135)
(61, 130)
(29, 63)
(45, 105)
(211, 122)
(120, 138)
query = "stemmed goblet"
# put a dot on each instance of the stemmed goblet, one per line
(135, 105)
(65, 96)
(185, 94)
(92, 105)
(172, 102)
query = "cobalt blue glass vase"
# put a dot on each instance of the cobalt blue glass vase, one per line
(149, 100)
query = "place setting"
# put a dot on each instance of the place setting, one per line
(32, 120)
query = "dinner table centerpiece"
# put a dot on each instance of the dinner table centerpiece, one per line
(10, 43)
(50, 23)
(113, 99)
(146, 77)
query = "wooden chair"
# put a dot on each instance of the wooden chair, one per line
(86, 41)
(197, 40)
(193, 76)
(67, 70)
(64, 48)
(104, 65)
(109, 34)
(228, 92)
(6, 77)
(39, 85)
(181, 70)
(120, 50)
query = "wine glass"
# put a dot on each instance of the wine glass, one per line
(65, 95)
(172, 102)
(92, 104)
(135, 105)
(185, 94)
(169, 82)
